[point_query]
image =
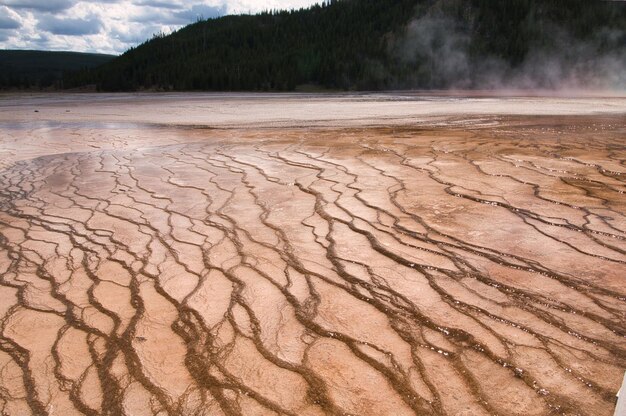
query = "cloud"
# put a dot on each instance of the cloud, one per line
(70, 27)
(133, 37)
(111, 26)
(200, 11)
(42, 5)
(180, 17)
(6, 21)
(159, 4)
(4, 35)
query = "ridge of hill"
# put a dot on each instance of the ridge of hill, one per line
(384, 44)
(43, 69)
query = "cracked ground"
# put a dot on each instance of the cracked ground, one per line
(475, 267)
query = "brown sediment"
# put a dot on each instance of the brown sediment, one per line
(462, 269)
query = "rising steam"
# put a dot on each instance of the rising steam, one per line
(439, 49)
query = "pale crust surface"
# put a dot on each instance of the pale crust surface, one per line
(159, 257)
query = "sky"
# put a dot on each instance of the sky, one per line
(111, 26)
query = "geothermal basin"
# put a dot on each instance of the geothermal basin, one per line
(291, 254)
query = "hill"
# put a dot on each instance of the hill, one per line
(385, 44)
(43, 69)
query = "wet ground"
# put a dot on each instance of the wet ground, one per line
(407, 263)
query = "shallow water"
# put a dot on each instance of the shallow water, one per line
(454, 264)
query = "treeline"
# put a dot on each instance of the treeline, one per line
(379, 44)
(27, 69)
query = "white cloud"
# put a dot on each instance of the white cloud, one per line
(111, 26)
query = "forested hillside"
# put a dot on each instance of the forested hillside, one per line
(42, 69)
(385, 44)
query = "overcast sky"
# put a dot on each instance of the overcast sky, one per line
(110, 26)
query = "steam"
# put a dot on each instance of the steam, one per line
(442, 46)
(437, 49)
